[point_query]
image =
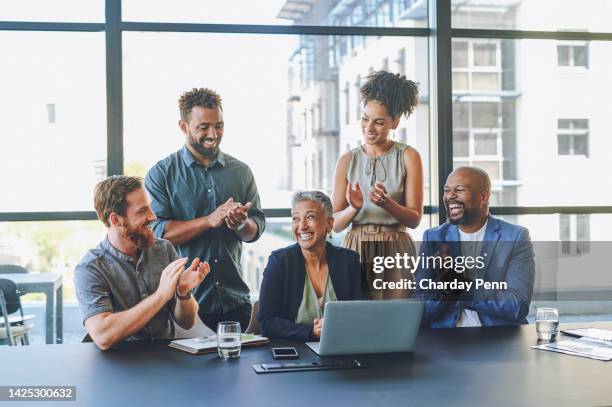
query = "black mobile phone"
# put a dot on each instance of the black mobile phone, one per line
(285, 353)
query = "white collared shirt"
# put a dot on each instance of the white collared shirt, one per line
(469, 317)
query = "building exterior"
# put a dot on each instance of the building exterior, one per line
(518, 112)
(325, 73)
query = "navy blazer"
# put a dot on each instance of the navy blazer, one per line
(509, 258)
(283, 286)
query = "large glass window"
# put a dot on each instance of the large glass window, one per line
(524, 132)
(51, 248)
(269, 111)
(532, 113)
(52, 120)
(254, 99)
(368, 13)
(570, 250)
(67, 11)
(543, 15)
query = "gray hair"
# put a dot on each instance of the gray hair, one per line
(315, 196)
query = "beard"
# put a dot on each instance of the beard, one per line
(142, 236)
(468, 216)
(205, 152)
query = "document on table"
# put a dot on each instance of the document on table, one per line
(593, 333)
(584, 347)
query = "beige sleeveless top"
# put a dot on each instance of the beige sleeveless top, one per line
(388, 169)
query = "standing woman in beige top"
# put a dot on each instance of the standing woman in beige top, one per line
(378, 187)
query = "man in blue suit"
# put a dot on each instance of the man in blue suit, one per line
(501, 280)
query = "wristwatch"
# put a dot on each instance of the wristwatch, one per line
(183, 297)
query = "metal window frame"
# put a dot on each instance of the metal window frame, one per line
(440, 34)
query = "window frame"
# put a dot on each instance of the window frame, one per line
(571, 244)
(472, 68)
(573, 133)
(440, 34)
(571, 46)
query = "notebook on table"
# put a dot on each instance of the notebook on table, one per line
(197, 346)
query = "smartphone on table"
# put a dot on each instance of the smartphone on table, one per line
(285, 353)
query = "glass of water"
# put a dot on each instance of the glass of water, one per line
(228, 339)
(547, 323)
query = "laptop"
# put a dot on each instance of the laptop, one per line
(355, 327)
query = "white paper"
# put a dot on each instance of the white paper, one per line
(593, 333)
(586, 347)
(544, 347)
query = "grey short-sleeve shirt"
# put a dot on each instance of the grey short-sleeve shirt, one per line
(107, 280)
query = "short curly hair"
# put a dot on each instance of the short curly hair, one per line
(110, 194)
(396, 93)
(202, 97)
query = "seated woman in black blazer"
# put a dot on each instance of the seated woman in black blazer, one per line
(300, 279)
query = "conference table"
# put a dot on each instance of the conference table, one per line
(492, 366)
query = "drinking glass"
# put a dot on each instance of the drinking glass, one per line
(228, 339)
(547, 323)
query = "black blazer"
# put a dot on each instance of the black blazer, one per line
(283, 286)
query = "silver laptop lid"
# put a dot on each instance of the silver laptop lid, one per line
(354, 327)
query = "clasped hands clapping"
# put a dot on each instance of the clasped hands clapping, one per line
(176, 279)
(378, 195)
(233, 214)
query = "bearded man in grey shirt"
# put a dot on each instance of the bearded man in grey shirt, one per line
(132, 285)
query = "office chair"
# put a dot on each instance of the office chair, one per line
(12, 269)
(253, 327)
(13, 328)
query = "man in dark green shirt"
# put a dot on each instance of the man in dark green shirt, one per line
(207, 204)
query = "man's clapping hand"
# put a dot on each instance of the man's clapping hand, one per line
(217, 218)
(193, 276)
(169, 279)
(238, 215)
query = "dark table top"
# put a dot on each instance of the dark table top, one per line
(466, 366)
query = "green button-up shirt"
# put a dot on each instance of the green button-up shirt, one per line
(183, 189)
